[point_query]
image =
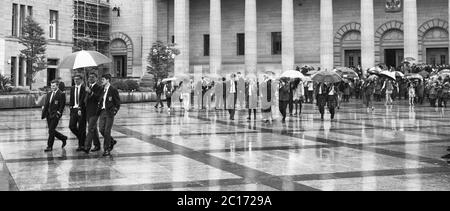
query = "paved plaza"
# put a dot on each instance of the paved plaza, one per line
(390, 149)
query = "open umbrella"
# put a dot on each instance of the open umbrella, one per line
(374, 70)
(326, 76)
(388, 74)
(292, 74)
(269, 72)
(312, 72)
(412, 76)
(346, 72)
(424, 74)
(409, 59)
(444, 71)
(82, 59)
(169, 79)
(372, 78)
(399, 74)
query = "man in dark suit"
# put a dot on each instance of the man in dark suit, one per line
(77, 123)
(284, 97)
(108, 107)
(93, 95)
(159, 89)
(53, 111)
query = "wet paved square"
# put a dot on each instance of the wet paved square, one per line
(393, 148)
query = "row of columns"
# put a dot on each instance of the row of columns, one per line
(288, 52)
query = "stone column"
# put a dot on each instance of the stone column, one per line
(448, 59)
(251, 37)
(367, 35)
(410, 29)
(182, 36)
(287, 33)
(326, 34)
(2, 58)
(149, 30)
(215, 38)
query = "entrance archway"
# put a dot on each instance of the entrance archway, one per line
(347, 45)
(433, 42)
(389, 42)
(121, 48)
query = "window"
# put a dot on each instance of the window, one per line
(53, 30)
(173, 39)
(240, 44)
(443, 60)
(206, 45)
(13, 70)
(276, 43)
(21, 71)
(351, 62)
(15, 19)
(22, 19)
(30, 11)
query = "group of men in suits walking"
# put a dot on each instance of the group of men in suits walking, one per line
(95, 102)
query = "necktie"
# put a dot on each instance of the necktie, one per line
(76, 95)
(51, 98)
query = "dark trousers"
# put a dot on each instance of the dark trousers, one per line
(159, 101)
(77, 125)
(169, 101)
(106, 122)
(310, 97)
(52, 133)
(283, 106)
(298, 107)
(92, 135)
(250, 113)
(291, 106)
(231, 112)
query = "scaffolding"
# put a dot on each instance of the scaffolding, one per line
(92, 20)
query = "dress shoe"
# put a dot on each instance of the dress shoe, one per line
(113, 143)
(96, 149)
(80, 149)
(446, 156)
(86, 151)
(48, 150)
(64, 142)
(106, 153)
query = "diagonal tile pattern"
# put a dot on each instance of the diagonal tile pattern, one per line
(394, 148)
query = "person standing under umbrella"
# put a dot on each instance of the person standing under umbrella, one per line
(321, 97)
(168, 91)
(159, 89)
(284, 97)
(388, 86)
(299, 93)
(77, 123)
(266, 99)
(93, 95)
(332, 99)
(231, 86)
(252, 95)
(369, 90)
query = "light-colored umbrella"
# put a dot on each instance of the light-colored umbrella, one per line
(444, 71)
(312, 72)
(399, 74)
(326, 76)
(388, 74)
(169, 79)
(292, 74)
(424, 74)
(346, 72)
(374, 70)
(412, 76)
(372, 78)
(82, 59)
(409, 59)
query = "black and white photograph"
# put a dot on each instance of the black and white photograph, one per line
(224, 97)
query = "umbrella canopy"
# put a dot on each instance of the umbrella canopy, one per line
(399, 74)
(326, 76)
(409, 59)
(307, 79)
(312, 72)
(82, 59)
(444, 71)
(374, 70)
(424, 74)
(411, 76)
(270, 72)
(292, 74)
(346, 72)
(169, 79)
(388, 74)
(444, 75)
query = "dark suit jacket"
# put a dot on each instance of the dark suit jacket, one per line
(81, 98)
(112, 104)
(92, 100)
(55, 108)
(159, 88)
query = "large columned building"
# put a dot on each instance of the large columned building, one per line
(250, 36)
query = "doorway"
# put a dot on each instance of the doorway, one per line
(120, 64)
(51, 75)
(437, 56)
(393, 57)
(352, 58)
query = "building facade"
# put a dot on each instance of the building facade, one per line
(55, 17)
(224, 36)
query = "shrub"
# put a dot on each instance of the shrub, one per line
(120, 85)
(5, 83)
(132, 85)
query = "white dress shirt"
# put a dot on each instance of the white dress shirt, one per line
(104, 96)
(77, 101)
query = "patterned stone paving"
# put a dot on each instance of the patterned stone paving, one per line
(392, 148)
